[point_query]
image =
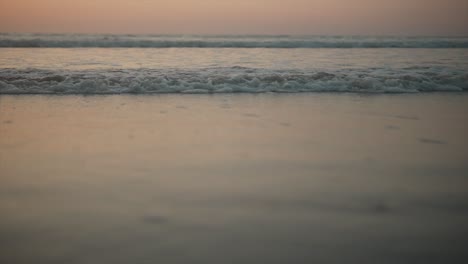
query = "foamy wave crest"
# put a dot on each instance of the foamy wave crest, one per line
(227, 80)
(182, 41)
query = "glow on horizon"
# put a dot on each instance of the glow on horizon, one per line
(327, 17)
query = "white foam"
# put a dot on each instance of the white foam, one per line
(227, 80)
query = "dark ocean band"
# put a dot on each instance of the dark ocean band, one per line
(174, 41)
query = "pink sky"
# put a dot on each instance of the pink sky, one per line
(329, 17)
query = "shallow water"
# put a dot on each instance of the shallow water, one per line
(231, 70)
(297, 178)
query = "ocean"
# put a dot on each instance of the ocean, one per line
(114, 64)
(233, 149)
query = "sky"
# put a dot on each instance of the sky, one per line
(323, 17)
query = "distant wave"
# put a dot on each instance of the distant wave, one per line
(174, 41)
(226, 80)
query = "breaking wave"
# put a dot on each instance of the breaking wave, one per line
(227, 80)
(183, 41)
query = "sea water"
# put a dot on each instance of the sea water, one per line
(112, 64)
(259, 176)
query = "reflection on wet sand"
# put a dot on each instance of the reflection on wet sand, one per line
(312, 178)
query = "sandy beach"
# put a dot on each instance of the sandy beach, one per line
(297, 178)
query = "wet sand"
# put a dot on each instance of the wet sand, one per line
(290, 178)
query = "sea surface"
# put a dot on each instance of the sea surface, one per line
(233, 149)
(114, 64)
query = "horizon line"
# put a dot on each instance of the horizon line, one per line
(237, 34)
